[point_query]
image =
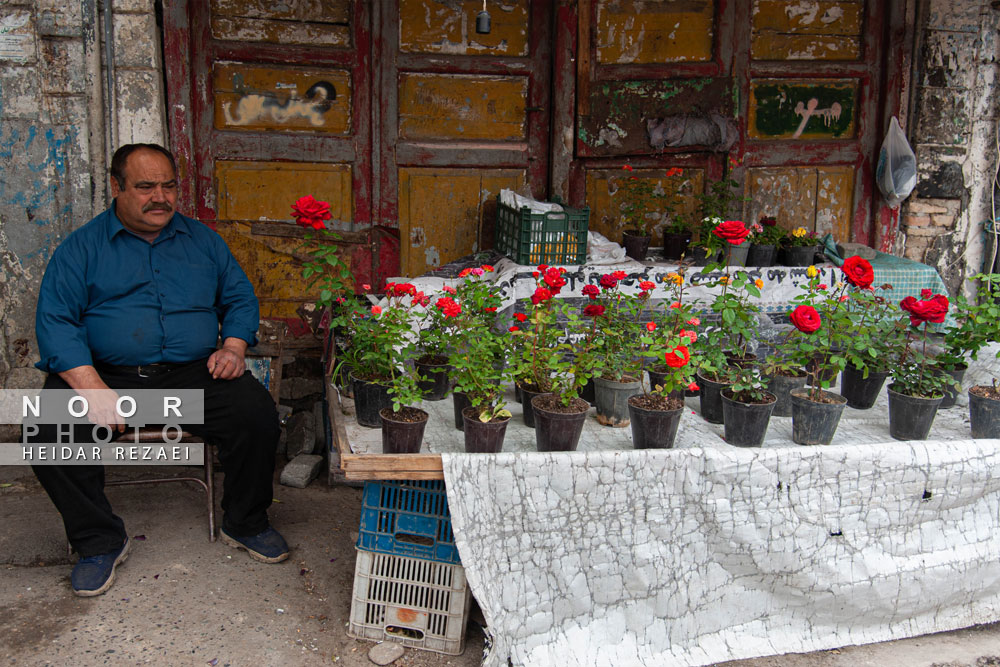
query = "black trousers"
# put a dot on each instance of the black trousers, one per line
(240, 420)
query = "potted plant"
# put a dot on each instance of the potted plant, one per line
(434, 338)
(326, 272)
(381, 353)
(551, 364)
(717, 204)
(746, 407)
(764, 239)
(614, 333)
(917, 388)
(975, 326)
(877, 333)
(798, 247)
(677, 319)
(655, 413)
(645, 202)
(821, 323)
(477, 359)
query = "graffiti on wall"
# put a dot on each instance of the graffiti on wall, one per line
(804, 109)
(256, 98)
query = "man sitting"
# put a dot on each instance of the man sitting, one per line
(135, 299)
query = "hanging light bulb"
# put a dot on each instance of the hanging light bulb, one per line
(483, 21)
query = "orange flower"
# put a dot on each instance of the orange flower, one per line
(759, 283)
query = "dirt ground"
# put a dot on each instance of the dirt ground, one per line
(181, 600)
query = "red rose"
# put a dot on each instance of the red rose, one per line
(677, 357)
(768, 221)
(591, 291)
(930, 310)
(650, 326)
(520, 317)
(858, 272)
(541, 294)
(593, 310)
(806, 319)
(733, 231)
(448, 306)
(310, 212)
(619, 275)
(608, 281)
(647, 285)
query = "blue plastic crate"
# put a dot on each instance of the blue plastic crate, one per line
(407, 518)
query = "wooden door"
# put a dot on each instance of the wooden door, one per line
(460, 115)
(784, 97)
(270, 102)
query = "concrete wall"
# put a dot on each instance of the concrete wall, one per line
(54, 133)
(954, 134)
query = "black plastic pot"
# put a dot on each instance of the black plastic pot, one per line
(587, 393)
(559, 431)
(433, 380)
(984, 416)
(611, 400)
(656, 379)
(780, 386)
(702, 256)
(815, 423)
(401, 437)
(738, 253)
(710, 397)
(636, 245)
(861, 392)
(369, 399)
(529, 413)
(748, 361)
(761, 255)
(911, 417)
(797, 255)
(950, 392)
(675, 245)
(746, 423)
(483, 437)
(460, 401)
(653, 429)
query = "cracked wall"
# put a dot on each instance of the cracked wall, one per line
(954, 133)
(53, 129)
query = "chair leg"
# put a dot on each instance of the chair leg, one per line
(210, 488)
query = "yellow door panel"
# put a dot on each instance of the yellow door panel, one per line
(255, 98)
(835, 201)
(442, 210)
(443, 26)
(458, 106)
(606, 195)
(786, 193)
(266, 190)
(274, 266)
(643, 32)
(292, 22)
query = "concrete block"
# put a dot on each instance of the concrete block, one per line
(943, 116)
(846, 250)
(301, 435)
(301, 470)
(58, 18)
(64, 70)
(140, 107)
(136, 40)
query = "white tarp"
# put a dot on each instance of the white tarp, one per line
(694, 556)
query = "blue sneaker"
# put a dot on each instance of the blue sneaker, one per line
(267, 547)
(94, 575)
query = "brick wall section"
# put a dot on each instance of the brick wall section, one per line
(928, 225)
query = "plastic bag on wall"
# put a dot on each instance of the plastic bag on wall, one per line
(896, 173)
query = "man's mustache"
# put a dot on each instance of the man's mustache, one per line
(156, 206)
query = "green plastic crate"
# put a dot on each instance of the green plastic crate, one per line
(542, 238)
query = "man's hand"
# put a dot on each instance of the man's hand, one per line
(228, 363)
(101, 400)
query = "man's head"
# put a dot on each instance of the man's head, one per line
(144, 185)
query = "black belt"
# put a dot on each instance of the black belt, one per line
(140, 370)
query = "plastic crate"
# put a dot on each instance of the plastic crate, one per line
(542, 238)
(407, 518)
(418, 603)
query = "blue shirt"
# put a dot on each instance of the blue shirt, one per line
(110, 296)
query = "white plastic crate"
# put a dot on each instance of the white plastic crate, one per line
(415, 602)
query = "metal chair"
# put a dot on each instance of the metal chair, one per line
(264, 361)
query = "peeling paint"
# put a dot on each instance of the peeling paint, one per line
(431, 256)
